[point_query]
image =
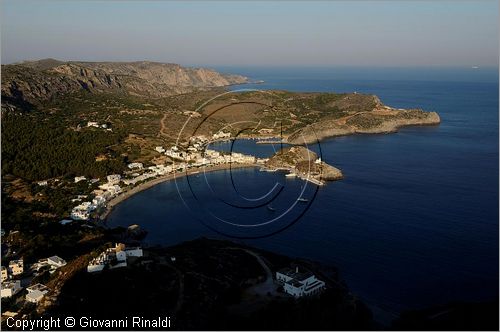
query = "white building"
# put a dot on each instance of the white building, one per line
(298, 283)
(109, 189)
(113, 258)
(135, 165)
(53, 262)
(174, 154)
(80, 215)
(16, 267)
(36, 293)
(98, 200)
(160, 149)
(42, 183)
(221, 135)
(80, 178)
(56, 262)
(82, 211)
(114, 178)
(93, 124)
(10, 288)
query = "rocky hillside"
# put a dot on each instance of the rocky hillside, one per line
(34, 81)
(303, 162)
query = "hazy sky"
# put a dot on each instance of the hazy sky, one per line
(368, 33)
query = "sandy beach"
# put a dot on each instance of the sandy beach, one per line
(146, 185)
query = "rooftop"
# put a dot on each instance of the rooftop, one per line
(296, 274)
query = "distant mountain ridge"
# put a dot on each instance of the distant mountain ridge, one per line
(33, 81)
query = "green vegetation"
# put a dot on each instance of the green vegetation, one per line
(39, 237)
(35, 148)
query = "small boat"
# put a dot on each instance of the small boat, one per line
(270, 208)
(290, 175)
(302, 199)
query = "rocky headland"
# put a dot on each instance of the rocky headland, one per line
(380, 120)
(304, 163)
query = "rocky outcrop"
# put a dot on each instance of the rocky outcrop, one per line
(30, 82)
(305, 163)
(378, 121)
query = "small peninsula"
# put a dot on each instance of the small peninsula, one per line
(304, 163)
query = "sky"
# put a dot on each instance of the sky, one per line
(254, 33)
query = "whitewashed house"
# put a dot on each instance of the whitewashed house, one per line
(298, 283)
(10, 288)
(82, 211)
(80, 178)
(160, 149)
(114, 258)
(98, 200)
(36, 293)
(114, 178)
(221, 135)
(135, 166)
(56, 262)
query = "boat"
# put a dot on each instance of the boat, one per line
(300, 199)
(270, 208)
(290, 175)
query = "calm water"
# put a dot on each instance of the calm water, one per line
(415, 221)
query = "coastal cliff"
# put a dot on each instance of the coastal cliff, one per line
(33, 81)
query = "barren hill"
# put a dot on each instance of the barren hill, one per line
(32, 81)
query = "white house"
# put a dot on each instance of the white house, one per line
(160, 149)
(82, 211)
(80, 215)
(16, 267)
(98, 200)
(10, 288)
(56, 261)
(92, 124)
(221, 135)
(80, 178)
(114, 178)
(135, 165)
(36, 293)
(113, 258)
(110, 189)
(42, 183)
(298, 283)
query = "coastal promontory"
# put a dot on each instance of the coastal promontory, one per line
(305, 163)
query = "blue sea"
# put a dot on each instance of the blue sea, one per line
(413, 224)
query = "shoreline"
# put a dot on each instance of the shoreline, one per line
(260, 140)
(149, 184)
